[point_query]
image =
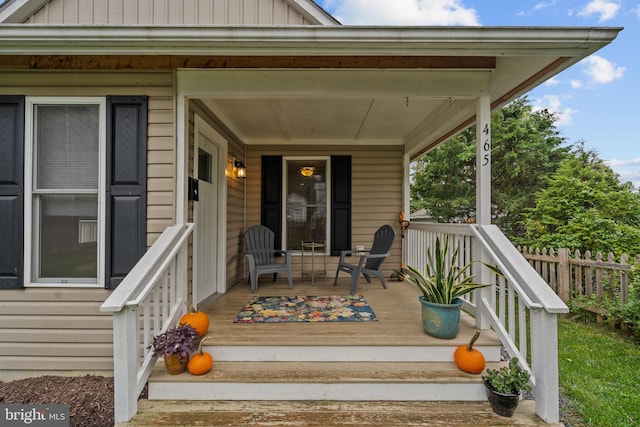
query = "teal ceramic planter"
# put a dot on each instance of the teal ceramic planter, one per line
(441, 320)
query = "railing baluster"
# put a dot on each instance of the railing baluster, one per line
(165, 294)
(523, 329)
(146, 325)
(502, 302)
(511, 310)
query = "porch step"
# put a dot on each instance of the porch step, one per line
(438, 351)
(327, 413)
(340, 381)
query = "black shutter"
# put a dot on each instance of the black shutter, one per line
(340, 204)
(126, 193)
(271, 205)
(11, 192)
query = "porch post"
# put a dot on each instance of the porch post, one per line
(182, 155)
(483, 161)
(126, 359)
(406, 195)
(544, 363)
(483, 199)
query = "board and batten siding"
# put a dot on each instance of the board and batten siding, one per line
(377, 176)
(168, 12)
(62, 329)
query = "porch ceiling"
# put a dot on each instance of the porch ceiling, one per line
(365, 120)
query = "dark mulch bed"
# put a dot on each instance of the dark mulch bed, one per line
(90, 397)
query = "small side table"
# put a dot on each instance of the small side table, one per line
(310, 249)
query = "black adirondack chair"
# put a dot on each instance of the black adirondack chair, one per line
(369, 261)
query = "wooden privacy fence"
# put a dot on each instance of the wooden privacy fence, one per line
(576, 275)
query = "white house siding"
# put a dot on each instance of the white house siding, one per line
(376, 190)
(168, 12)
(58, 329)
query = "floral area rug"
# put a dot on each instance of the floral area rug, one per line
(352, 308)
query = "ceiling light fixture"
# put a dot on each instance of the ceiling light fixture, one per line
(307, 171)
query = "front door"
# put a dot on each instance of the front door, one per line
(210, 152)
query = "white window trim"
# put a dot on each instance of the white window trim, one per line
(29, 227)
(285, 184)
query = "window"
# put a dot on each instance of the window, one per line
(306, 201)
(64, 191)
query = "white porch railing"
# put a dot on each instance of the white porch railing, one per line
(148, 301)
(521, 308)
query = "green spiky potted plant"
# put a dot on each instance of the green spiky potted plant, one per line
(504, 387)
(443, 285)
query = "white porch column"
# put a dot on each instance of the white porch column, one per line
(182, 155)
(483, 161)
(483, 199)
(406, 183)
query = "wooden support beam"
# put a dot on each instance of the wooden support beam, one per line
(146, 62)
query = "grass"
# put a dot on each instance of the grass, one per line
(599, 374)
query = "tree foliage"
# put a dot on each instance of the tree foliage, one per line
(585, 207)
(526, 148)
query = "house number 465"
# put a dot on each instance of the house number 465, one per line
(486, 145)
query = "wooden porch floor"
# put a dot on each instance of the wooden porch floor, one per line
(397, 309)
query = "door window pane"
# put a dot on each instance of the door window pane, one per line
(306, 207)
(204, 166)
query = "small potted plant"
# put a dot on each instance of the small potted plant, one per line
(442, 288)
(175, 345)
(504, 386)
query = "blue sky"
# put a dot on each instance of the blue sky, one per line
(595, 100)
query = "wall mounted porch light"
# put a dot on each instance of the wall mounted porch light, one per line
(241, 169)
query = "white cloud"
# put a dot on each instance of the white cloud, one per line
(544, 5)
(602, 71)
(627, 170)
(615, 162)
(605, 9)
(553, 103)
(402, 12)
(629, 175)
(552, 82)
(576, 84)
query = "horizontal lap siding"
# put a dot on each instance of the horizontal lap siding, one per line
(377, 177)
(54, 330)
(57, 329)
(168, 12)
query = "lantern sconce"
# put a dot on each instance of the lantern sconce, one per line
(241, 169)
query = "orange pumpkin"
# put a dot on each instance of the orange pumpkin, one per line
(197, 319)
(469, 359)
(201, 362)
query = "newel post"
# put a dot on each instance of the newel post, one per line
(564, 275)
(125, 363)
(544, 363)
